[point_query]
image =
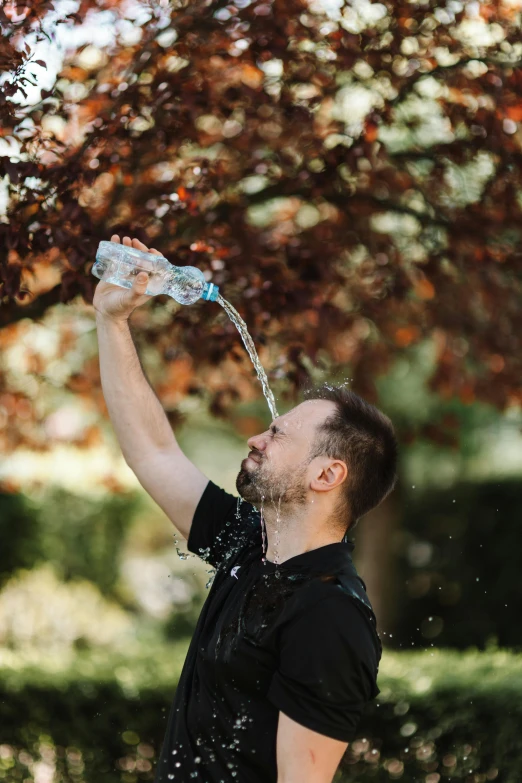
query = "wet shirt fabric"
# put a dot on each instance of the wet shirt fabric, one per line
(298, 637)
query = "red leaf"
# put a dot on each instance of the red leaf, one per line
(371, 131)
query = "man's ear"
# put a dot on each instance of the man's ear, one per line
(330, 474)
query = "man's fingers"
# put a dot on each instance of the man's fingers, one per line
(140, 246)
(137, 244)
(141, 281)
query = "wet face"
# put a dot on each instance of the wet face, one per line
(278, 468)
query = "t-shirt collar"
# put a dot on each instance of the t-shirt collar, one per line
(331, 557)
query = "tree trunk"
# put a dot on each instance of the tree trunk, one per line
(375, 556)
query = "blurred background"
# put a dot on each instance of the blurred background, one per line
(350, 175)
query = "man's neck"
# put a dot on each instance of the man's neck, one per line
(293, 531)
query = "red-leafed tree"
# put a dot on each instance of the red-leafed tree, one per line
(352, 181)
(378, 235)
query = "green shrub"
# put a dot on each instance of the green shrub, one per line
(459, 566)
(86, 717)
(80, 537)
(19, 533)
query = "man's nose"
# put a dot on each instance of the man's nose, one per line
(257, 442)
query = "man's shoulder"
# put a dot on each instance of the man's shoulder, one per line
(317, 596)
(330, 601)
(324, 594)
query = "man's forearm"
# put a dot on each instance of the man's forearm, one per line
(136, 414)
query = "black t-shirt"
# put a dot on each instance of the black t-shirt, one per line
(294, 637)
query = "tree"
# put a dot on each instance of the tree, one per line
(221, 138)
(350, 179)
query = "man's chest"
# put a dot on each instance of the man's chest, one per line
(238, 642)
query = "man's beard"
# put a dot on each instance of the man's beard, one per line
(260, 485)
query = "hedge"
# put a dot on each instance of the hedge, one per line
(80, 537)
(441, 715)
(458, 577)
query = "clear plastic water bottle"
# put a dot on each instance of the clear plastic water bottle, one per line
(120, 265)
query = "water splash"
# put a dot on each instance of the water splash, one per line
(181, 554)
(251, 349)
(263, 529)
(277, 539)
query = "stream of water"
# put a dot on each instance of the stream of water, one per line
(249, 345)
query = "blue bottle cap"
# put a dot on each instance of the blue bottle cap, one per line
(210, 292)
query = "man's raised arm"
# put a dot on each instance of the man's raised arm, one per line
(148, 444)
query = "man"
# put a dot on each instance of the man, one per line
(285, 654)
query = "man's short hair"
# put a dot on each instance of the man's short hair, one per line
(363, 437)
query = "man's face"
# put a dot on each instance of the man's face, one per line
(278, 468)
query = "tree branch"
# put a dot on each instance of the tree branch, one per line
(13, 312)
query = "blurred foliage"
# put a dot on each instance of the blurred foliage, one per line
(443, 438)
(458, 566)
(37, 610)
(80, 537)
(85, 716)
(349, 176)
(459, 554)
(182, 622)
(93, 716)
(57, 569)
(457, 581)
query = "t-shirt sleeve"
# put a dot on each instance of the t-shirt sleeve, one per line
(221, 526)
(327, 667)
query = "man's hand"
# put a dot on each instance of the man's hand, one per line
(303, 755)
(117, 303)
